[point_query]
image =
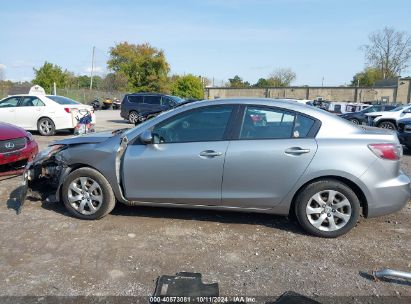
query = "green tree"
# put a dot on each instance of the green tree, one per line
(281, 77)
(49, 73)
(368, 77)
(237, 82)
(144, 66)
(188, 86)
(262, 83)
(114, 82)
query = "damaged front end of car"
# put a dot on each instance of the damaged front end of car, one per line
(43, 176)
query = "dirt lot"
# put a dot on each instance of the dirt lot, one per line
(44, 251)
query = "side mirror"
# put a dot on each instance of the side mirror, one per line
(146, 137)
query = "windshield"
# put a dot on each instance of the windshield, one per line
(62, 100)
(177, 99)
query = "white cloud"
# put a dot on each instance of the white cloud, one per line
(96, 70)
(3, 66)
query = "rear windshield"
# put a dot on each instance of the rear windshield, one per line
(62, 100)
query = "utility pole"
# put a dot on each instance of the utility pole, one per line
(92, 68)
(322, 82)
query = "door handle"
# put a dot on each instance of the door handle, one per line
(296, 151)
(210, 153)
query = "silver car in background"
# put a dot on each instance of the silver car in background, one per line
(250, 155)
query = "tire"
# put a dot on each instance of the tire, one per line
(337, 198)
(387, 125)
(133, 117)
(46, 127)
(83, 203)
(355, 121)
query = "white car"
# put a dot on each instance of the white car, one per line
(43, 113)
(388, 119)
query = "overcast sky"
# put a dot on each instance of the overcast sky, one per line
(315, 38)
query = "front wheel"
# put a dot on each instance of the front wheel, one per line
(387, 125)
(327, 208)
(133, 117)
(87, 194)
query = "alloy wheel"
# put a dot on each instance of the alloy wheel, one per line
(85, 195)
(328, 210)
(46, 126)
(133, 117)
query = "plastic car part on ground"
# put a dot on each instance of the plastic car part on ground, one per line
(190, 285)
(390, 273)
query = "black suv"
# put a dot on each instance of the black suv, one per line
(137, 107)
(359, 118)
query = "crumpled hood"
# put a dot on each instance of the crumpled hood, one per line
(92, 138)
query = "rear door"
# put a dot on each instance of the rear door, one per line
(29, 110)
(152, 103)
(8, 110)
(273, 149)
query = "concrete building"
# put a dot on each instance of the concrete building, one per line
(399, 92)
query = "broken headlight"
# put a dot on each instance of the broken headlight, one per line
(50, 151)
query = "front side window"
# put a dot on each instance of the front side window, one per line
(165, 101)
(154, 100)
(203, 124)
(267, 123)
(31, 102)
(9, 102)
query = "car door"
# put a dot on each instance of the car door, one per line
(184, 164)
(29, 110)
(8, 110)
(153, 103)
(273, 149)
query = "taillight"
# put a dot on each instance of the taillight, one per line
(67, 110)
(386, 151)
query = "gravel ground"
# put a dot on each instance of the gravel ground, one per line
(44, 251)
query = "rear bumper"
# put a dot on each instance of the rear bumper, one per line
(389, 196)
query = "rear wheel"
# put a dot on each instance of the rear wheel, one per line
(387, 125)
(355, 121)
(327, 208)
(46, 127)
(87, 194)
(133, 117)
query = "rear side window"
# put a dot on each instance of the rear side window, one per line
(135, 99)
(154, 100)
(31, 102)
(266, 123)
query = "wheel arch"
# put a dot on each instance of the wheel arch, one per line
(71, 168)
(357, 190)
(392, 120)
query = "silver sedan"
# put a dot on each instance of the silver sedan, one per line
(250, 155)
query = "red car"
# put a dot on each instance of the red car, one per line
(17, 147)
